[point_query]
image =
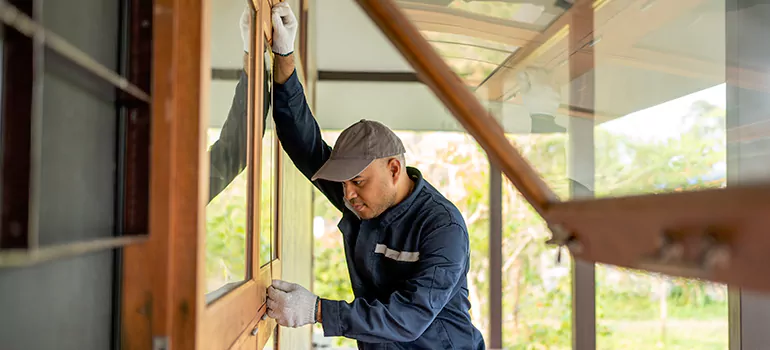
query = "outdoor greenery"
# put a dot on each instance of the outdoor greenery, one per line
(631, 314)
(226, 222)
(537, 300)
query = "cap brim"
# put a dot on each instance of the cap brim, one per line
(339, 170)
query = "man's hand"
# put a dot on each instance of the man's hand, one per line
(245, 25)
(290, 304)
(284, 29)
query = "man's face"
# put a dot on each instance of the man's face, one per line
(374, 190)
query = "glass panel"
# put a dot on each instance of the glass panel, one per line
(652, 78)
(268, 187)
(537, 290)
(660, 127)
(661, 99)
(637, 310)
(473, 59)
(227, 212)
(535, 13)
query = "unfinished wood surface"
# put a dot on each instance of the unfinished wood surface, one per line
(258, 108)
(248, 339)
(628, 232)
(432, 69)
(146, 267)
(278, 213)
(225, 319)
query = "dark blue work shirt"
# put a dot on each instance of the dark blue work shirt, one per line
(408, 267)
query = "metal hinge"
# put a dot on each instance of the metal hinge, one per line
(160, 343)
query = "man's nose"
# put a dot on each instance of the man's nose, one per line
(349, 191)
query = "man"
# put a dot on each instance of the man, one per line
(406, 245)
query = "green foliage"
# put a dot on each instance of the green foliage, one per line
(226, 222)
(226, 235)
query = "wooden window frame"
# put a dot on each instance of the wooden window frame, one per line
(237, 316)
(163, 299)
(625, 231)
(24, 45)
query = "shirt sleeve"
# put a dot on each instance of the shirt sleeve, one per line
(301, 137)
(227, 156)
(408, 312)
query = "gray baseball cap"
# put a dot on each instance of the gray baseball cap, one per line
(358, 146)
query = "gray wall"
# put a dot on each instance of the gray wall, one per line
(64, 305)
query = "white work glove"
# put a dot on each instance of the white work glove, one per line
(284, 29)
(246, 28)
(290, 304)
(538, 93)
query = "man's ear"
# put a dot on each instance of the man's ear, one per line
(394, 167)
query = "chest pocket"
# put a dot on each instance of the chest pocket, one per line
(394, 267)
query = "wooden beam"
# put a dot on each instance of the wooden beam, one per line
(401, 77)
(629, 232)
(432, 69)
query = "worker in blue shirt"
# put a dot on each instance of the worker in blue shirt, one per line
(406, 246)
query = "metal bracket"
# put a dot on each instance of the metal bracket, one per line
(160, 343)
(561, 237)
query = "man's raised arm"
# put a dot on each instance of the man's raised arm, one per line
(295, 125)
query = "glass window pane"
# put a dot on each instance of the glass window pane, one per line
(636, 310)
(471, 58)
(661, 99)
(227, 212)
(498, 55)
(536, 13)
(268, 186)
(537, 290)
(660, 106)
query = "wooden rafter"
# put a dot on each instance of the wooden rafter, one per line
(446, 20)
(611, 17)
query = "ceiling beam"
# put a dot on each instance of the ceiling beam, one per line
(446, 20)
(402, 77)
(619, 23)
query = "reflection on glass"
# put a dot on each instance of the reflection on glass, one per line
(536, 14)
(267, 193)
(227, 211)
(662, 119)
(660, 112)
(472, 59)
